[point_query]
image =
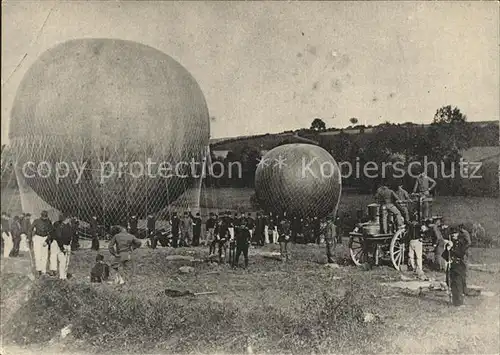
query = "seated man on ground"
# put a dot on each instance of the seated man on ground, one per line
(100, 271)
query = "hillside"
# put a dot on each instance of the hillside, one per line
(486, 134)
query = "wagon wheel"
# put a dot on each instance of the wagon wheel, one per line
(397, 248)
(357, 250)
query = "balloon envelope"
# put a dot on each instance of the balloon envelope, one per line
(92, 105)
(302, 180)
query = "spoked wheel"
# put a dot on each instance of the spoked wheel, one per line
(397, 248)
(357, 250)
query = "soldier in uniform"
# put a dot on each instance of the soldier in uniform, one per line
(439, 246)
(121, 246)
(403, 197)
(259, 230)
(75, 224)
(151, 230)
(186, 227)
(386, 197)
(6, 235)
(316, 229)
(25, 229)
(223, 235)
(196, 229)
(132, 225)
(423, 186)
(250, 223)
(175, 224)
(284, 238)
(415, 252)
(456, 254)
(242, 242)
(339, 224)
(93, 233)
(39, 237)
(295, 228)
(330, 239)
(210, 229)
(15, 229)
(64, 236)
(230, 224)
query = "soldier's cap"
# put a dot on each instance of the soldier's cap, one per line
(27, 214)
(174, 213)
(116, 229)
(44, 214)
(198, 214)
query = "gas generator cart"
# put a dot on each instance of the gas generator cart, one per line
(379, 238)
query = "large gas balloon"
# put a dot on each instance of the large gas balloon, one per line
(119, 115)
(302, 180)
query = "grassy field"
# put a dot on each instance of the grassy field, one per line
(297, 307)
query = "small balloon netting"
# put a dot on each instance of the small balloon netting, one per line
(300, 180)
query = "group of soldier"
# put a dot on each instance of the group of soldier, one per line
(450, 254)
(51, 243)
(397, 203)
(233, 233)
(15, 232)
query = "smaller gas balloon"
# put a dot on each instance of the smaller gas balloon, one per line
(302, 180)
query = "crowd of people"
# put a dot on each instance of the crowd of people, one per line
(51, 243)
(227, 234)
(261, 229)
(231, 234)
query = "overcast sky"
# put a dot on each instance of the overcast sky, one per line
(274, 66)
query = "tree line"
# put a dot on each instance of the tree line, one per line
(442, 142)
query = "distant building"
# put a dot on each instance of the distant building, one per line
(479, 155)
(482, 154)
(221, 154)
